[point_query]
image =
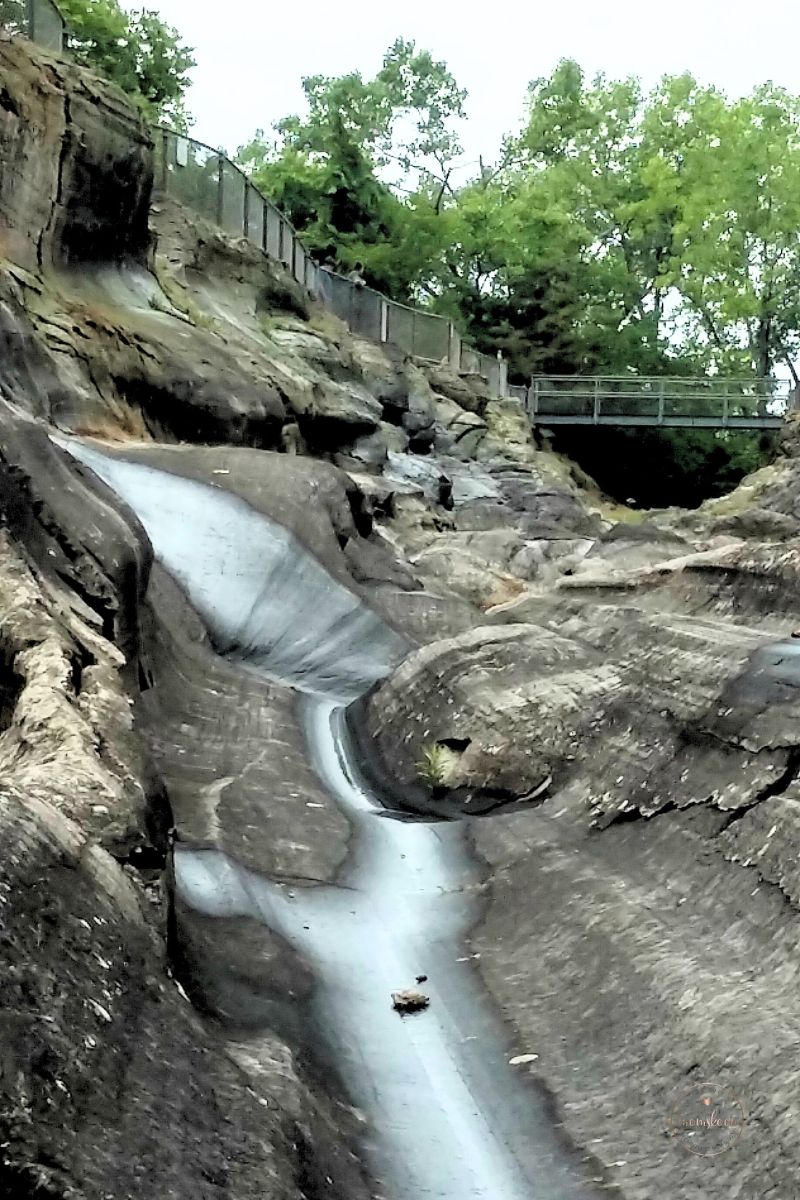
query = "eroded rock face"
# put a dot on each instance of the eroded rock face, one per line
(76, 180)
(108, 1077)
(618, 702)
(641, 764)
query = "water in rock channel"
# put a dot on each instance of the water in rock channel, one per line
(448, 1117)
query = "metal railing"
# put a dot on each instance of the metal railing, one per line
(668, 401)
(205, 180)
(39, 20)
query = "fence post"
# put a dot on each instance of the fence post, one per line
(30, 19)
(453, 347)
(220, 187)
(164, 152)
(725, 409)
(596, 408)
(287, 252)
(502, 375)
(533, 399)
(384, 319)
(661, 402)
(246, 213)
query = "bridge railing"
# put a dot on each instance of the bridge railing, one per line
(639, 400)
(39, 20)
(205, 180)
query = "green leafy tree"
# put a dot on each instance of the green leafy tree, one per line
(136, 50)
(13, 15)
(738, 262)
(332, 170)
(620, 232)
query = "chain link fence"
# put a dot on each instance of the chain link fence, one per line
(39, 20)
(206, 181)
(209, 183)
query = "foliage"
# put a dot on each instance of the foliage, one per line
(434, 764)
(663, 467)
(135, 50)
(326, 170)
(620, 231)
(13, 15)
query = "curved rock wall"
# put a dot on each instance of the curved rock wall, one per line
(616, 695)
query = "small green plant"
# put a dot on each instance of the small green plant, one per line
(434, 765)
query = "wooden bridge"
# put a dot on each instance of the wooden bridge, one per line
(670, 402)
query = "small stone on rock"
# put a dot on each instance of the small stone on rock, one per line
(409, 1001)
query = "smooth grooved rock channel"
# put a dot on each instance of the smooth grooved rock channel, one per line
(449, 1118)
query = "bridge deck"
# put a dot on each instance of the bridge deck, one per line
(671, 403)
(650, 422)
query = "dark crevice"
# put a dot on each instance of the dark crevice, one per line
(393, 412)
(28, 1182)
(105, 608)
(11, 685)
(8, 103)
(385, 508)
(776, 788)
(360, 511)
(627, 815)
(421, 443)
(144, 677)
(458, 745)
(324, 435)
(59, 191)
(80, 659)
(185, 410)
(24, 514)
(312, 1178)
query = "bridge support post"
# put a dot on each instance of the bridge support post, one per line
(661, 402)
(533, 399)
(596, 406)
(725, 410)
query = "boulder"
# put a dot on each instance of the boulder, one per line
(470, 392)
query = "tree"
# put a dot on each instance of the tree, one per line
(137, 51)
(739, 258)
(13, 15)
(331, 170)
(620, 231)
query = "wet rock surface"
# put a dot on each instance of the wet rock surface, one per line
(588, 724)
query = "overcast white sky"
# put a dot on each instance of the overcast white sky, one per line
(251, 54)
